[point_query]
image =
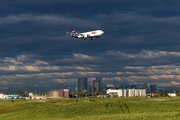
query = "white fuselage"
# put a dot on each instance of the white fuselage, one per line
(96, 33)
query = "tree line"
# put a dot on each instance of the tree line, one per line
(165, 94)
(20, 93)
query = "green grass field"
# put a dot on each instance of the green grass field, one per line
(110, 108)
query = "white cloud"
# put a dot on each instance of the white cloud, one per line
(112, 78)
(168, 84)
(82, 58)
(145, 54)
(32, 69)
(65, 80)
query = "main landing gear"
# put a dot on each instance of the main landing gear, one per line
(91, 38)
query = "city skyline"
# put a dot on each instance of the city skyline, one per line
(140, 43)
(83, 85)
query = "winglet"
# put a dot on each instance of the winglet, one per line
(73, 30)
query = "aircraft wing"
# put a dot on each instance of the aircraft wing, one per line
(74, 34)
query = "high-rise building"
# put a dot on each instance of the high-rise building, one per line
(154, 88)
(151, 88)
(116, 85)
(10, 90)
(96, 84)
(148, 89)
(100, 79)
(104, 87)
(82, 84)
(76, 89)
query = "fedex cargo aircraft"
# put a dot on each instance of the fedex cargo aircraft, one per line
(90, 34)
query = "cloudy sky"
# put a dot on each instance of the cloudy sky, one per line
(140, 44)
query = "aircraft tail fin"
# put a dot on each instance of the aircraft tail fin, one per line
(73, 30)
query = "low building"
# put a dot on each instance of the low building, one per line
(140, 92)
(66, 93)
(59, 93)
(56, 94)
(154, 94)
(127, 92)
(14, 96)
(118, 92)
(113, 95)
(103, 96)
(38, 95)
(92, 89)
(172, 94)
(131, 92)
(2, 96)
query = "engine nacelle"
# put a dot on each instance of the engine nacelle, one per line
(98, 36)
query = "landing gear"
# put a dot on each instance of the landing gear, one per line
(91, 38)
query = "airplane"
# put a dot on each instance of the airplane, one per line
(90, 34)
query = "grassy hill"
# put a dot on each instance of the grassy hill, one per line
(84, 109)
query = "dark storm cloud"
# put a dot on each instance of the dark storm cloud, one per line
(90, 7)
(140, 43)
(138, 31)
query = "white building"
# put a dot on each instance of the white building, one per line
(127, 92)
(131, 92)
(119, 92)
(140, 92)
(3, 96)
(66, 93)
(172, 94)
(39, 96)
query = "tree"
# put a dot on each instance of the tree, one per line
(177, 92)
(12, 99)
(22, 93)
(163, 94)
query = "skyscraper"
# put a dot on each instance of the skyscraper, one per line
(154, 88)
(96, 84)
(104, 86)
(100, 79)
(10, 90)
(76, 89)
(116, 85)
(151, 88)
(148, 89)
(82, 84)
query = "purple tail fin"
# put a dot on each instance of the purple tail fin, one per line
(73, 30)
